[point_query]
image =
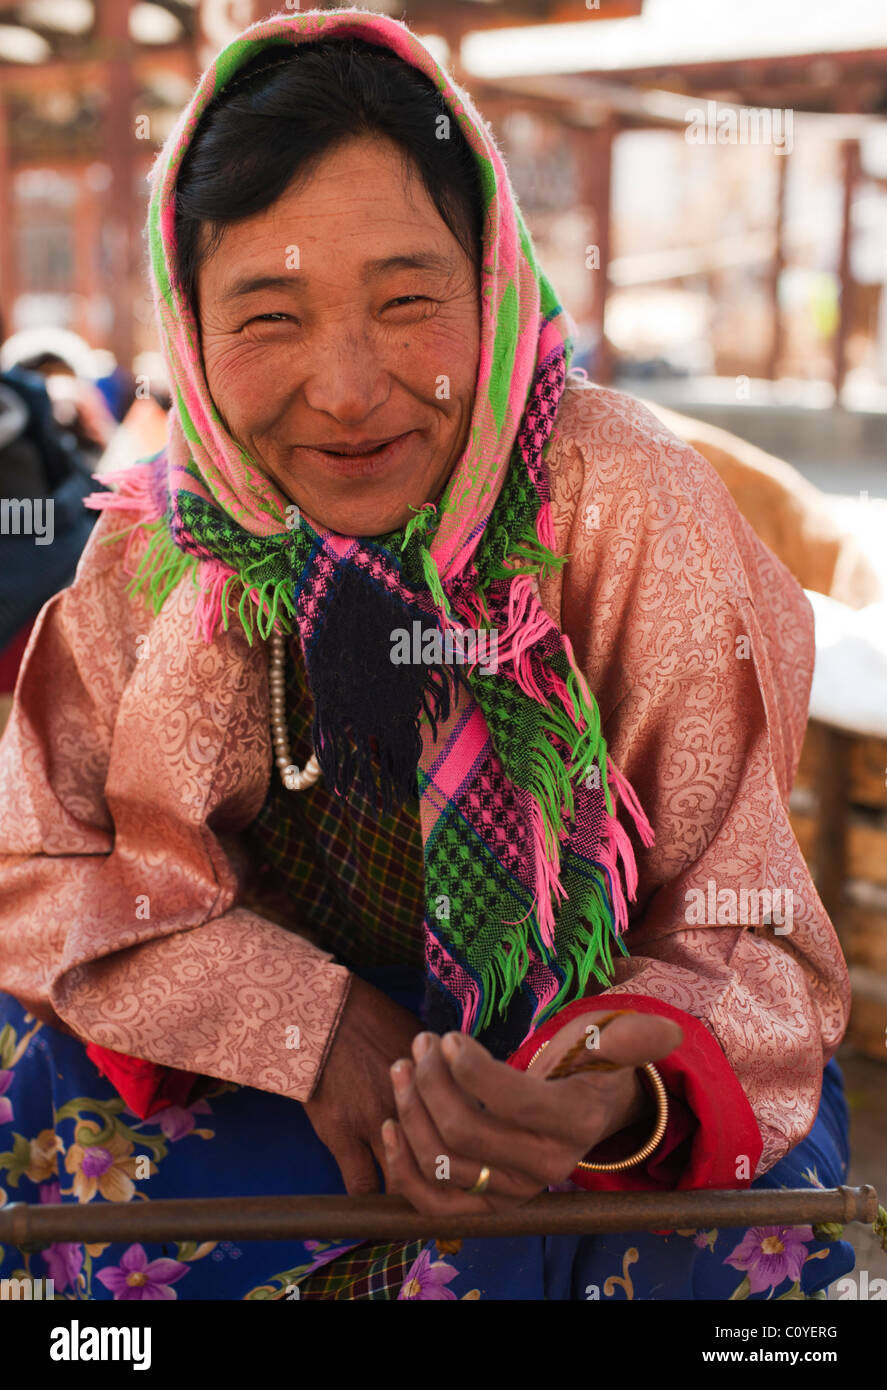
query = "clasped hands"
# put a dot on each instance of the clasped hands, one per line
(445, 1107)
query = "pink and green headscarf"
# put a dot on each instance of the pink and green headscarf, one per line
(524, 853)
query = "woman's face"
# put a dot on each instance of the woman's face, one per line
(344, 315)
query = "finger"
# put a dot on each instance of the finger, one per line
(633, 1039)
(522, 1100)
(420, 1132)
(439, 1160)
(378, 1151)
(527, 1098)
(404, 1175)
(358, 1170)
(433, 1199)
(522, 1159)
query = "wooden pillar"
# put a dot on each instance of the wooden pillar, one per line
(113, 33)
(593, 149)
(777, 342)
(87, 236)
(850, 177)
(830, 851)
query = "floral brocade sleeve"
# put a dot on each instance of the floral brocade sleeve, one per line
(699, 646)
(131, 749)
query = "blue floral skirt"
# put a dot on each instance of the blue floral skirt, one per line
(66, 1136)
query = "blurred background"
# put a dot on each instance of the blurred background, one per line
(706, 184)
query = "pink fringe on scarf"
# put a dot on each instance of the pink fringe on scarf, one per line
(616, 847)
(576, 669)
(134, 492)
(527, 624)
(548, 884)
(629, 796)
(544, 984)
(545, 526)
(467, 988)
(209, 611)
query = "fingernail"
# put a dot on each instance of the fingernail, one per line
(400, 1075)
(421, 1044)
(389, 1136)
(451, 1046)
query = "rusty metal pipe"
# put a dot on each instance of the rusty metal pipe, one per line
(390, 1218)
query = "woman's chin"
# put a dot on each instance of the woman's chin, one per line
(363, 514)
(357, 521)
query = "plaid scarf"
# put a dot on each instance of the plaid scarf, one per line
(522, 847)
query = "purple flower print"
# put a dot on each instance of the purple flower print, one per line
(106, 1168)
(427, 1278)
(96, 1161)
(5, 1105)
(64, 1262)
(771, 1254)
(178, 1120)
(138, 1278)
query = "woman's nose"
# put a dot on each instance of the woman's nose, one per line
(348, 377)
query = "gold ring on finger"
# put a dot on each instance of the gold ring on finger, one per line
(482, 1183)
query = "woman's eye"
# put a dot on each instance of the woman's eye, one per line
(410, 299)
(266, 318)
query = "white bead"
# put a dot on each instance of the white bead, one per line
(294, 778)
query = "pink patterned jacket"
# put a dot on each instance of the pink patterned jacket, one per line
(135, 752)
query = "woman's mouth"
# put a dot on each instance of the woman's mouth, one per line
(367, 462)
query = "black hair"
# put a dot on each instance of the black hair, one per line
(290, 105)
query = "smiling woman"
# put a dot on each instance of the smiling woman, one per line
(335, 278)
(318, 369)
(396, 962)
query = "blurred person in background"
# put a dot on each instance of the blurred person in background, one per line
(54, 428)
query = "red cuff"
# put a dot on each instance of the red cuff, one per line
(145, 1086)
(711, 1126)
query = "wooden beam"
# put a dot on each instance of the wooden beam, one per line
(593, 151)
(72, 73)
(721, 74)
(777, 344)
(112, 24)
(34, 1226)
(471, 17)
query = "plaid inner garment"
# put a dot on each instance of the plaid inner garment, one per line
(358, 881)
(371, 1272)
(347, 878)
